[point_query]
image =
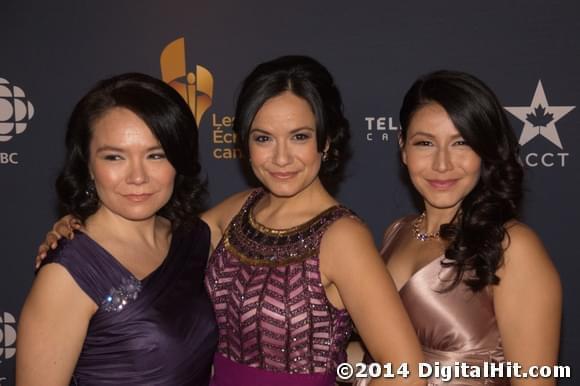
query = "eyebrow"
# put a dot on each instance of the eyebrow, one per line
(254, 129)
(429, 135)
(118, 149)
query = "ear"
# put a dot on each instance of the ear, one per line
(402, 149)
(326, 145)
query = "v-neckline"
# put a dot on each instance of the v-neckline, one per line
(417, 272)
(120, 265)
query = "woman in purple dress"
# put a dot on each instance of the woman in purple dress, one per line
(123, 303)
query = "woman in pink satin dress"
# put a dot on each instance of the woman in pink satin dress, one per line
(478, 285)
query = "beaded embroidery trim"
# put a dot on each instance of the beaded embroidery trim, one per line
(245, 237)
(119, 298)
(285, 232)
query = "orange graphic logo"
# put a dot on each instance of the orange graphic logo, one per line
(195, 87)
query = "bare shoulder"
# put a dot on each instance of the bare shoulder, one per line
(54, 288)
(523, 245)
(348, 238)
(400, 222)
(221, 214)
(54, 275)
(348, 226)
(526, 258)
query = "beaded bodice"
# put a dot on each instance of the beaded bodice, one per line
(270, 305)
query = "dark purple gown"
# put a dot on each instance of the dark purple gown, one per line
(157, 331)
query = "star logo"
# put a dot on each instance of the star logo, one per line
(540, 118)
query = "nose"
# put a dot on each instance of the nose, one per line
(282, 156)
(442, 161)
(137, 173)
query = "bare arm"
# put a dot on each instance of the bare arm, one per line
(358, 280)
(52, 328)
(219, 217)
(528, 302)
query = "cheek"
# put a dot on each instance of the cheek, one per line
(105, 177)
(477, 171)
(416, 162)
(309, 154)
(258, 154)
(472, 164)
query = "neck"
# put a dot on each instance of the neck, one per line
(435, 217)
(313, 196)
(109, 225)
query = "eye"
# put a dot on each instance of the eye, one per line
(422, 143)
(260, 138)
(112, 157)
(460, 142)
(157, 156)
(301, 136)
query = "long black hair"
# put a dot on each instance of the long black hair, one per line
(476, 234)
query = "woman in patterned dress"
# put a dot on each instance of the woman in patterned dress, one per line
(292, 266)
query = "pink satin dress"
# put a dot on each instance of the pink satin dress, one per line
(455, 326)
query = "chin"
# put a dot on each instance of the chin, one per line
(283, 191)
(288, 188)
(439, 203)
(137, 213)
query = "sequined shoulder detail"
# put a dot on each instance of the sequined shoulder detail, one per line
(118, 298)
(255, 244)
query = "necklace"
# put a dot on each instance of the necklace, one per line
(423, 236)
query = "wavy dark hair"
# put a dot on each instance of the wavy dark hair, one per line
(309, 80)
(170, 120)
(476, 234)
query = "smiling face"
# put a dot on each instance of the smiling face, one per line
(132, 176)
(282, 145)
(442, 167)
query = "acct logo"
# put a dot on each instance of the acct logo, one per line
(7, 336)
(539, 120)
(15, 110)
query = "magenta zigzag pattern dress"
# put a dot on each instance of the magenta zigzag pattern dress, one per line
(275, 323)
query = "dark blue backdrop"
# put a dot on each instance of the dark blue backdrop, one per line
(51, 52)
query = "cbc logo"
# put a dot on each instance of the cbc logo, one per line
(15, 111)
(7, 336)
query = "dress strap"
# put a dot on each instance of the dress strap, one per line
(392, 231)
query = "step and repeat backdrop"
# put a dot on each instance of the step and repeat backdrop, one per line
(52, 52)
